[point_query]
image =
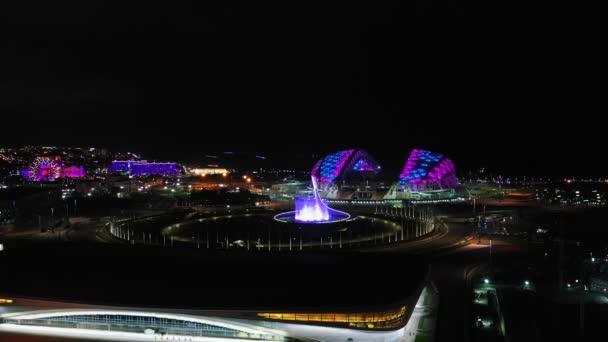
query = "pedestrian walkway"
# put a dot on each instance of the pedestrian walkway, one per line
(422, 323)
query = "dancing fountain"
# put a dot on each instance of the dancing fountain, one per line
(310, 208)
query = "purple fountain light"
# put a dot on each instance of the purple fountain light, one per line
(310, 208)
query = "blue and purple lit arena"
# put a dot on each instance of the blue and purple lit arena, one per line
(426, 170)
(310, 208)
(143, 168)
(343, 164)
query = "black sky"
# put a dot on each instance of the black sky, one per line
(521, 94)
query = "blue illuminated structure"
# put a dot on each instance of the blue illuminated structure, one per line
(121, 165)
(425, 169)
(339, 164)
(143, 168)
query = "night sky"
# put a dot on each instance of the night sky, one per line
(519, 95)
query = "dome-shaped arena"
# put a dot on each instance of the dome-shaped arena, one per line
(343, 165)
(426, 170)
(354, 174)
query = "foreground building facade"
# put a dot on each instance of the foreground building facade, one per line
(62, 319)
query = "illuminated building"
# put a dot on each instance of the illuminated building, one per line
(73, 172)
(341, 165)
(121, 165)
(428, 170)
(351, 175)
(426, 176)
(143, 168)
(221, 307)
(47, 170)
(208, 171)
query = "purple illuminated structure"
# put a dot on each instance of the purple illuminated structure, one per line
(73, 172)
(336, 165)
(45, 169)
(143, 168)
(310, 208)
(427, 170)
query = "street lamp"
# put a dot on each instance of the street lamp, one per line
(486, 281)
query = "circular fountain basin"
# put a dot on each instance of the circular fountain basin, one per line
(334, 216)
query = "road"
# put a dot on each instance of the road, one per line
(455, 260)
(450, 234)
(452, 272)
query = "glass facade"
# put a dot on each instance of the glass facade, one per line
(142, 324)
(391, 319)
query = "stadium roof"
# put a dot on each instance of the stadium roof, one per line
(336, 165)
(424, 168)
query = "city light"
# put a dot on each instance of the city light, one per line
(208, 171)
(143, 168)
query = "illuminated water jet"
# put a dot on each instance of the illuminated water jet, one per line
(310, 208)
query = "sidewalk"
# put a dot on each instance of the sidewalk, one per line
(422, 323)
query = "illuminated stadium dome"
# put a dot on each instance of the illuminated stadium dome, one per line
(426, 170)
(343, 164)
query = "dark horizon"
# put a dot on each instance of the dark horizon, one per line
(173, 81)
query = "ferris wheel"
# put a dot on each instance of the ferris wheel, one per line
(44, 169)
